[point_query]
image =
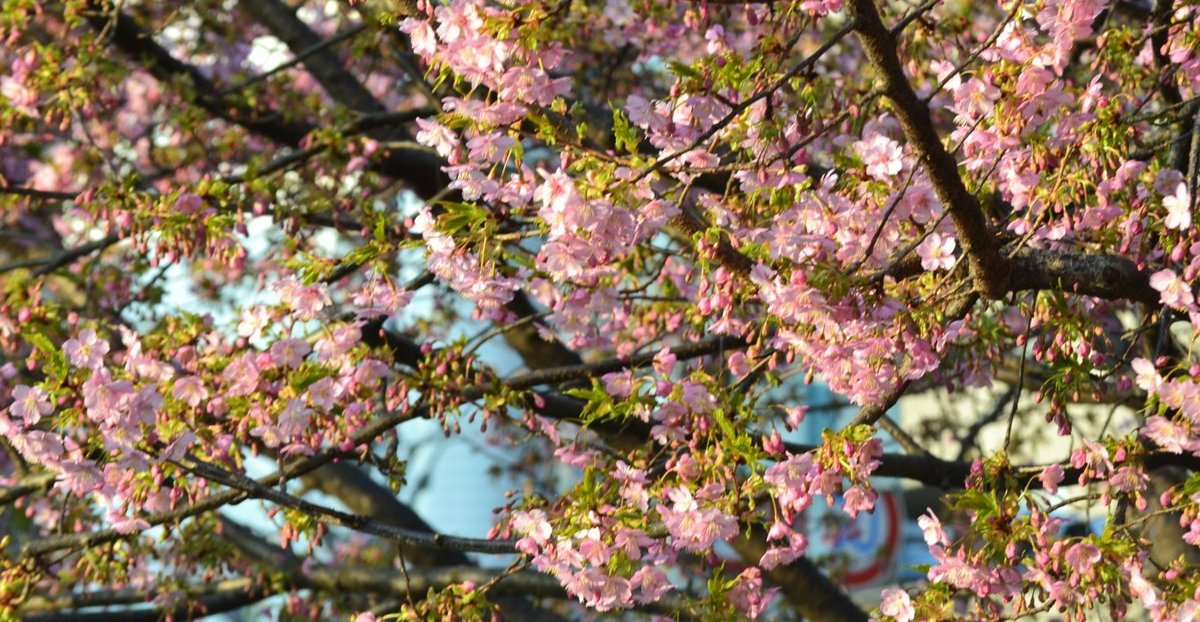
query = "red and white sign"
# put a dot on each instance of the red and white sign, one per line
(868, 544)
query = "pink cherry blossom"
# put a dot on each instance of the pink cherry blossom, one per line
(87, 350)
(1179, 209)
(935, 535)
(30, 404)
(1168, 435)
(898, 605)
(937, 252)
(533, 524)
(190, 390)
(304, 301)
(290, 353)
(1082, 557)
(1051, 477)
(1147, 378)
(881, 155)
(650, 583)
(1175, 292)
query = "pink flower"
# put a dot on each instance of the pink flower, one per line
(40, 447)
(1173, 291)
(380, 300)
(932, 528)
(491, 147)
(240, 376)
(715, 36)
(738, 365)
(1082, 557)
(105, 398)
(562, 207)
(1050, 477)
(1179, 209)
(294, 418)
(695, 529)
(881, 155)
(642, 113)
(324, 393)
(127, 525)
(748, 596)
(600, 591)
(618, 384)
(533, 524)
(593, 549)
(424, 43)
(652, 582)
(290, 353)
(790, 479)
(1147, 377)
(188, 203)
(937, 252)
(254, 320)
(897, 604)
(190, 390)
(365, 616)
(1171, 437)
(975, 98)
(30, 404)
(343, 340)
(87, 350)
(305, 301)
(797, 545)
(859, 499)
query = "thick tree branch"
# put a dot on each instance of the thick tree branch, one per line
(135, 41)
(331, 516)
(529, 343)
(322, 62)
(989, 269)
(802, 583)
(557, 375)
(223, 596)
(420, 170)
(1104, 276)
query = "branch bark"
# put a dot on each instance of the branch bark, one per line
(989, 269)
(802, 584)
(422, 171)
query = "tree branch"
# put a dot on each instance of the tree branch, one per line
(989, 269)
(336, 517)
(422, 171)
(802, 583)
(1104, 276)
(324, 64)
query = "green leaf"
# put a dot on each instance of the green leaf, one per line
(683, 70)
(362, 254)
(624, 134)
(55, 361)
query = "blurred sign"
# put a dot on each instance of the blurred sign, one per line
(862, 550)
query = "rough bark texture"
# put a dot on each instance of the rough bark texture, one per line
(989, 268)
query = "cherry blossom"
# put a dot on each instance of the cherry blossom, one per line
(252, 256)
(881, 155)
(937, 252)
(87, 350)
(898, 605)
(1179, 209)
(30, 404)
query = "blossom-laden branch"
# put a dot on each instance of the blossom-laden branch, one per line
(989, 268)
(358, 523)
(665, 210)
(417, 167)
